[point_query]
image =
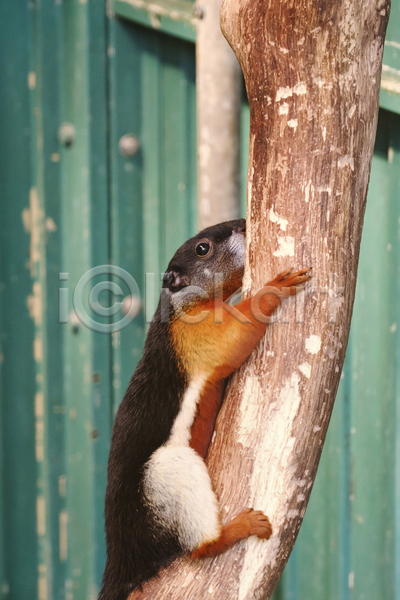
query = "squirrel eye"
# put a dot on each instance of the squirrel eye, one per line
(203, 248)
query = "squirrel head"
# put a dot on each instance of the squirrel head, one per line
(209, 263)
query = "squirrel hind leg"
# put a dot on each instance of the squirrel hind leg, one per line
(179, 496)
(247, 523)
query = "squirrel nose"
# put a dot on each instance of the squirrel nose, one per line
(241, 227)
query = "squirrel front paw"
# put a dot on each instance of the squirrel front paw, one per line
(288, 279)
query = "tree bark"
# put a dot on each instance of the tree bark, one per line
(312, 71)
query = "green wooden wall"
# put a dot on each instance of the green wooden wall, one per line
(70, 201)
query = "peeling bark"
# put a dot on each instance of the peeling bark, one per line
(312, 71)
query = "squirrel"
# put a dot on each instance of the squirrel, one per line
(159, 499)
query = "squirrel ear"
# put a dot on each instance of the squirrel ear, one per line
(175, 281)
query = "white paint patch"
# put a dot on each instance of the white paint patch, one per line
(50, 224)
(346, 161)
(35, 303)
(35, 220)
(351, 580)
(390, 79)
(286, 92)
(275, 218)
(38, 349)
(313, 344)
(180, 434)
(283, 92)
(305, 368)
(41, 515)
(39, 405)
(276, 450)
(39, 441)
(300, 89)
(316, 429)
(352, 111)
(63, 535)
(31, 80)
(324, 188)
(392, 44)
(43, 587)
(62, 486)
(284, 109)
(293, 123)
(307, 191)
(286, 246)
(393, 328)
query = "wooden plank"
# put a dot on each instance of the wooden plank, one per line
(125, 189)
(4, 587)
(78, 365)
(101, 389)
(17, 333)
(153, 174)
(85, 233)
(45, 265)
(175, 17)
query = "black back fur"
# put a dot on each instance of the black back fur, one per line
(142, 424)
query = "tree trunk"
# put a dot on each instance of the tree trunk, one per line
(312, 71)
